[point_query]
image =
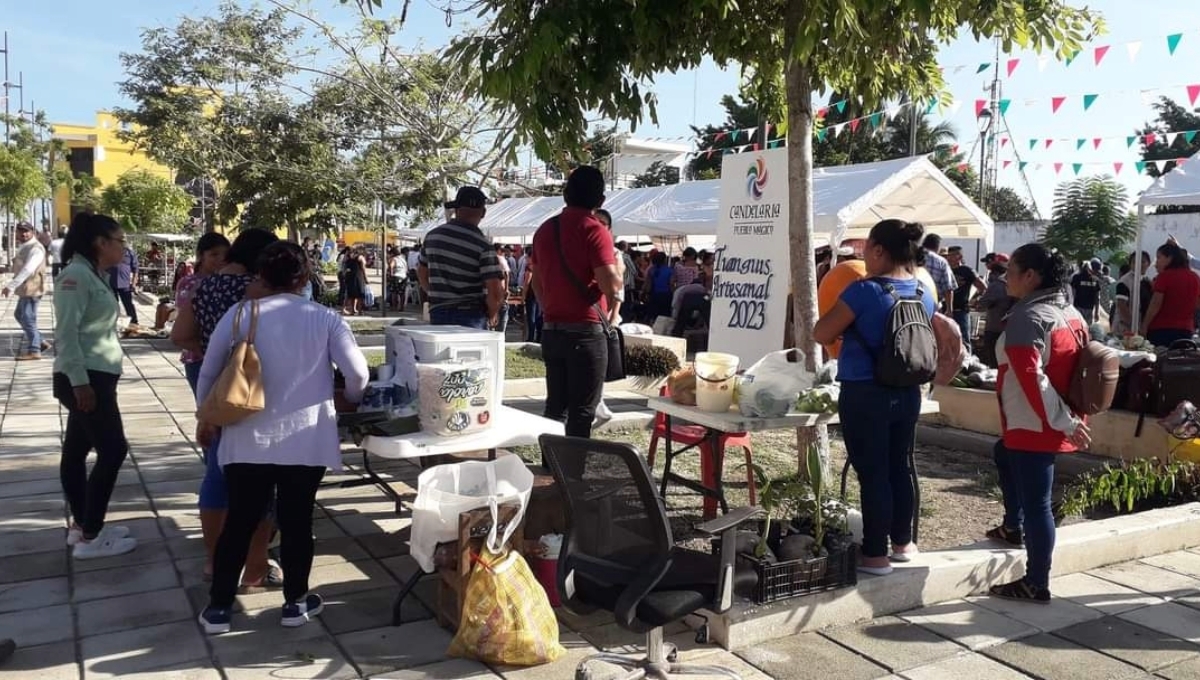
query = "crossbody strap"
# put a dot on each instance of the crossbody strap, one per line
(583, 290)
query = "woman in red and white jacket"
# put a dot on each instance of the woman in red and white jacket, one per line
(1037, 353)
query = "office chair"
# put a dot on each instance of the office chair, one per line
(619, 556)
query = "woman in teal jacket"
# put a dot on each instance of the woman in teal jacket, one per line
(86, 370)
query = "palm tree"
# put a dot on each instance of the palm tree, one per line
(930, 137)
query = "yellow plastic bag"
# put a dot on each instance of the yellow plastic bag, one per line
(506, 616)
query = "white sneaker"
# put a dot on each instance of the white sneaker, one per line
(75, 534)
(603, 415)
(103, 546)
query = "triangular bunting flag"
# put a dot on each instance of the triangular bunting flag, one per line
(1129, 141)
(1171, 137)
(1004, 103)
(954, 107)
(1056, 103)
(728, 150)
(841, 106)
(709, 153)
(767, 129)
(1150, 138)
(1058, 168)
(1077, 167)
(1173, 42)
(822, 112)
(1099, 53)
(876, 119)
(1003, 142)
(1032, 144)
(1193, 92)
(733, 135)
(1079, 144)
(1012, 66)
(752, 132)
(1039, 166)
(983, 67)
(821, 134)
(1072, 57)
(1049, 142)
(720, 136)
(1096, 142)
(837, 129)
(1117, 168)
(932, 106)
(959, 69)
(854, 124)
(954, 150)
(1160, 166)
(1133, 48)
(1189, 136)
(1005, 164)
(962, 167)
(1141, 167)
(1043, 59)
(1088, 100)
(1021, 166)
(892, 112)
(979, 104)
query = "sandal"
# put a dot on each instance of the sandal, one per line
(1011, 537)
(272, 581)
(1021, 591)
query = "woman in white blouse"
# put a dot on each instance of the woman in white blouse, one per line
(286, 448)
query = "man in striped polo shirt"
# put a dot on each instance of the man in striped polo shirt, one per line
(459, 269)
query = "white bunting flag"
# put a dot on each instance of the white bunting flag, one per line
(1160, 166)
(1043, 59)
(1171, 137)
(954, 107)
(1133, 48)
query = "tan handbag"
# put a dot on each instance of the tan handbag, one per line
(238, 392)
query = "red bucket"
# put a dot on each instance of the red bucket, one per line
(546, 572)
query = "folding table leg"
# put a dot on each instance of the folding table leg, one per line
(667, 454)
(404, 591)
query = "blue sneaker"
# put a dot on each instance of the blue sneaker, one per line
(299, 613)
(215, 621)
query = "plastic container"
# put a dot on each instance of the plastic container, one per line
(545, 566)
(715, 378)
(407, 345)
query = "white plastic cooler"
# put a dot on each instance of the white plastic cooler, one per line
(431, 344)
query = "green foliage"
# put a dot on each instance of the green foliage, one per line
(28, 153)
(650, 362)
(146, 202)
(1171, 117)
(1133, 486)
(85, 192)
(1005, 205)
(795, 497)
(1090, 217)
(657, 175)
(21, 180)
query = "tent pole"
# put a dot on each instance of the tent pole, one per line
(1135, 309)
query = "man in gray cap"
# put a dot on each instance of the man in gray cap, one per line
(29, 285)
(459, 269)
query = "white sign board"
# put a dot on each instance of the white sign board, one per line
(751, 265)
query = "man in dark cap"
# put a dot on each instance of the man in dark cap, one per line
(459, 269)
(28, 284)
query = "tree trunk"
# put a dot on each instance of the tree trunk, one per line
(798, 79)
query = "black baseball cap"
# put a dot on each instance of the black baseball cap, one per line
(469, 197)
(24, 226)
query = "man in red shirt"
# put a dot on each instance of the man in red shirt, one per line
(576, 280)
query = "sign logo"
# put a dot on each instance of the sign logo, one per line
(756, 179)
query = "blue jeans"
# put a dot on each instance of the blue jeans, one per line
(191, 370)
(1026, 478)
(214, 495)
(533, 320)
(447, 316)
(26, 316)
(878, 426)
(963, 319)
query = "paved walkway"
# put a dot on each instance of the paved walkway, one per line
(134, 616)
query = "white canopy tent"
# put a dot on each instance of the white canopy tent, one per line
(848, 199)
(1180, 186)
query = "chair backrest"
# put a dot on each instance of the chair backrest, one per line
(617, 526)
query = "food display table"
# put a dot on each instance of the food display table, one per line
(732, 421)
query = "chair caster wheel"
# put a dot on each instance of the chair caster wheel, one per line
(583, 674)
(673, 656)
(702, 635)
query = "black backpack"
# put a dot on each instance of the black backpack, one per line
(909, 356)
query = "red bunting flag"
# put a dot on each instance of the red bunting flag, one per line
(1193, 92)
(1100, 52)
(1006, 164)
(1049, 142)
(954, 150)
(1003, 142)
(821, 112)
(1056, 103)
(1096, 142)
(720, 136)
(979, 104)
(1117, 168)
(1150, 138)
(1012, 66)
(1058, 168)
(854, 125)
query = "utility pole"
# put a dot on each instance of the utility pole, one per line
(6, 85)
(383, 226)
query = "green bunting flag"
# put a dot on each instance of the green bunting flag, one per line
(1173, 42)
(1129, 142)
(1141, 166)
(1079, 144)
(983, 67)
(1088, 100)
(820, 135)
(733, 135)
(841, 106)
(1077, 167)
(1021, 165)
(1032, 144)
(1004, 106)
(876, 118)
(1189, 136)
(1072, 57)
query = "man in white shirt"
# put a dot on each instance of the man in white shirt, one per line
(55, 249)
(29, 285)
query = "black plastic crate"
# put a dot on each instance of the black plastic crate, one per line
(792, 578)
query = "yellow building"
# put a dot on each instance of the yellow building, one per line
(97, 151)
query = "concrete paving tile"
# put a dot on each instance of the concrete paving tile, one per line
(388, 544)
(1170, 618)
(51, 504)
(44, 662)
(1145, 648)
(330, 581)
(1187, 670)
(1104, 596)
(167, 645)
(31, 566)
(617, 640)
(454, 669)
(894, 643)
(389, 648)
(966, 665)
(1146, 578)
(564, 667)
(969, 625)
(29, 523)
(256, 632)
(201, 669)
(1181, 561)
(1048, 656)
(42, 540)
(99, 617)
(29, 488)
(305, 659)
(38, 626)
(1060, 613)
(809, 656)
(338, 550)
(183, 524)
(183, 547)
(94, 585)
(34, 594)
(368, 609)
(146, 553)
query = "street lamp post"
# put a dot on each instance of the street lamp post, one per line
(985, 125)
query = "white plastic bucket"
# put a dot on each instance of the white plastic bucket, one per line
(715, 374)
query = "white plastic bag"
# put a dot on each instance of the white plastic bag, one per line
(447, 490)
(770, 387)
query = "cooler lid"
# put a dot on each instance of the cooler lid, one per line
(461, 333)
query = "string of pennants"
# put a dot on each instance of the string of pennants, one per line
(1058, 166)
(1098, 53)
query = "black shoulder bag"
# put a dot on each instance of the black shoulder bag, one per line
(616, 339)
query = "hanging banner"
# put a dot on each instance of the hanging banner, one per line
(750, 260)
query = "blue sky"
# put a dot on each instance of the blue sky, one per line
(71, 67)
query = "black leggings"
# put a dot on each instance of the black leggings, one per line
(125, 295)
(102, 430)
(251, 487)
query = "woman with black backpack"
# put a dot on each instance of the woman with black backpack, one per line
(888, 352)
(1038, 353)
